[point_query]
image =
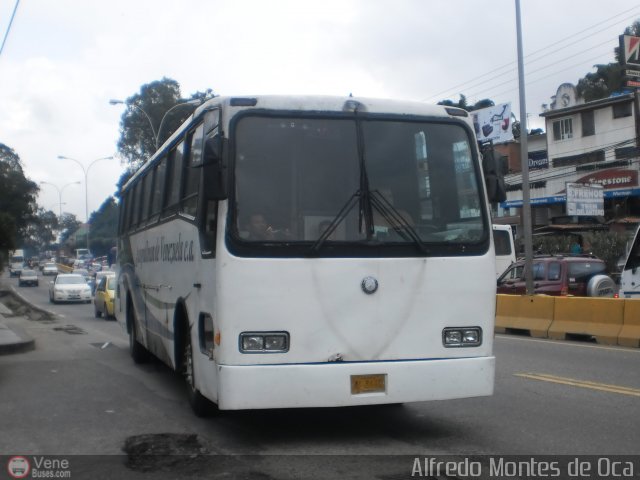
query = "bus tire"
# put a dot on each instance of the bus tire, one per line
(200, 405)
(136, 349)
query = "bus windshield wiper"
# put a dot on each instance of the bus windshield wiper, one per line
(342, 214)
(395, 219)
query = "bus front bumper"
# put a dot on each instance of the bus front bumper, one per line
(349, 384)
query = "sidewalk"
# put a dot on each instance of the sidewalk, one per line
(13, 339)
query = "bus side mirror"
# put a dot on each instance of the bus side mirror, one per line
(214, 170)
(493, 168)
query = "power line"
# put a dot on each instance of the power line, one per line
(4, 40)
(451, 90)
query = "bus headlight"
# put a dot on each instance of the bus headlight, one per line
(462, 337)
(264, 342)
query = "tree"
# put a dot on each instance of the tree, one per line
(608, 78)
(138, 132)
(68, 225)
(462, 103)
(17, 199)
(40, 232)
(104, 227)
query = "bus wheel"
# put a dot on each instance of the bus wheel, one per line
(137, 351)
(200, 405)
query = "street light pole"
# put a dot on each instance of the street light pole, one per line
(190, 102)
(153, 130)
(86, 186)
(156, 135)
(60, 190)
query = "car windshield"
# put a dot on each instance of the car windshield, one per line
(346, 182)
(28, 273)
(71, 280)
(111, 282)
(50, 265)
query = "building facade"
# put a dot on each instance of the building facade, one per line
(587, 143)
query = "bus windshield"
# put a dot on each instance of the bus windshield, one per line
(347, 183)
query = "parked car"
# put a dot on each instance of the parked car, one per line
(50, 268)
(69, 287)
(28, 277)
(566, 275)
(103, 301)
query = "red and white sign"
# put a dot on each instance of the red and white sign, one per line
(630, 47)
(611, 179)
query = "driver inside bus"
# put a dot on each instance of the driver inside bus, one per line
(258, 228)
(378, 218)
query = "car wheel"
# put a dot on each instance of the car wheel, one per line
(96, 313)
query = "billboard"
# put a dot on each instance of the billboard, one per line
(493, 123)
(585, 200)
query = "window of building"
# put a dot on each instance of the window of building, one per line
(563, 129)
(622, 110)
(588, 124)
(627, 152)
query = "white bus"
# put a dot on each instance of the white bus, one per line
(312, 252)
(630, 278)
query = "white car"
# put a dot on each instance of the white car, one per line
(69, 287)
(50, 269)
(28, 277)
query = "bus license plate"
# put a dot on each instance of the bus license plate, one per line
(368, 383)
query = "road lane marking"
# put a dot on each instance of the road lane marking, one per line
(566, 343)
(581, 383)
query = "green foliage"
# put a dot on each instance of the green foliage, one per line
(602, 83)
(608, 78)
(462, 103)
(17, 199)
(609, 246)
(104, 227)
(68, 225)
(137, 131)
(40, 232)
(140, 123)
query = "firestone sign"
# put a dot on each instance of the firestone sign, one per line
(612, 178)
(585, 200)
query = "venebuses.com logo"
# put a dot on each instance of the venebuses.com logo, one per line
(18, 467)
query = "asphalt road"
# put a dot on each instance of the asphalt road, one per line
(79, 392)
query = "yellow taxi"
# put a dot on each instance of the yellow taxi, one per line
(104, 296)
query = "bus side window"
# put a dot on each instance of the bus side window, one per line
(174, 179)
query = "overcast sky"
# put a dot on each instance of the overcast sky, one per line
(64, 59)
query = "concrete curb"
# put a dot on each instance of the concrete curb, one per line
(15, 292)
(13, 339)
